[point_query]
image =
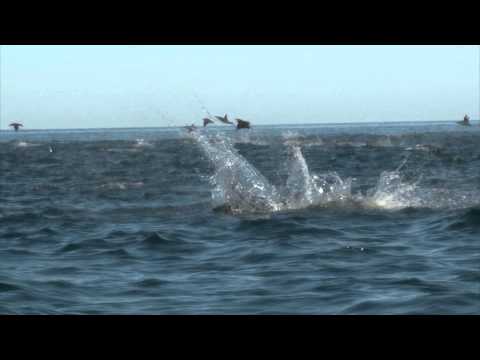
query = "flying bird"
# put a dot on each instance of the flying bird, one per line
(224, 119)
(16, 125)
(207, 121)
(242, 124)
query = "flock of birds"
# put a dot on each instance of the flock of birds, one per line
(241, 124)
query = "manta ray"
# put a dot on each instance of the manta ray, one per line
(16, 125)
(207, 121)
(465, 122)
(242, 124)
(224, 119)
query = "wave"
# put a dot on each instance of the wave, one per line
(5, 287)
(121, 185)
(468, 221)
(294, 138)
(24, 144)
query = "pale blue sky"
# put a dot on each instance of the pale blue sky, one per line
(140, 86)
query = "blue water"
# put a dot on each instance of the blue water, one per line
(292, 219)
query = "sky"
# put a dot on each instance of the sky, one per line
(103, 86)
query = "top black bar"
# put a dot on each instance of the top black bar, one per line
(243, 24)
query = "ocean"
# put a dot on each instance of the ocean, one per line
(291, 219)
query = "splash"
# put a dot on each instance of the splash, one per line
(238, 185)
(292, 138)
(300, 189)
(304, 189)
(392, 193)
(142, 143)
(242, 137)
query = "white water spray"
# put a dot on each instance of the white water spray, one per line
(237, 184)
(241, 188)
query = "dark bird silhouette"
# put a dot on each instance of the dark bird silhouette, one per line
(16, 125)
(224, 119)
(242, 124)
(465, 122)
(207, 121)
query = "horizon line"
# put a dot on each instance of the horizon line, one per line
(225, 126)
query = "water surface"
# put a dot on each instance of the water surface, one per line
(304, 219)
